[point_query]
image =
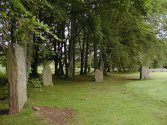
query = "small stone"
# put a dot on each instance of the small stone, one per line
(98, 75)
(144, 72)
(35, 108)
(47, 75)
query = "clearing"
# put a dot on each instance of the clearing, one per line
(120, 100)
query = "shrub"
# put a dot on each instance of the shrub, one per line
(35, 83)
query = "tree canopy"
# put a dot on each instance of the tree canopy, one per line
(104, 34)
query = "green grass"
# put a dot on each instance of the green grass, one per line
(120, 100)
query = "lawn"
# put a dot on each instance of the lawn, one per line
(121, 99)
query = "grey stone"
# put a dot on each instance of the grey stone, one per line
(17, 81)
(98, 75)
(144, 72)
(47, 75)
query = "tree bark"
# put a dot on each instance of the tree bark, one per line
(55, 58)
(13, 30)
(35, 61)
(102, 60)
(29, 54)
(82, 55)
(95, 54)
(86, 57)
(71, 70)
(66, 60)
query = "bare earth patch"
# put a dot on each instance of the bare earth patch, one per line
(56, 116)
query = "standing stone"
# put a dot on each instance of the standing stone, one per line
(144, 72)
(16, 74)
(47, 75)
(98, 75)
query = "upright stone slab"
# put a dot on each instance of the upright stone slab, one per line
(144, 72)
(47, 75)
(16, 74)
(98, 75)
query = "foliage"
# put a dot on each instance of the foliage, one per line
(125, 31)
(35, 83)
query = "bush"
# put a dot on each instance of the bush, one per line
(3, 79)
(35, 83)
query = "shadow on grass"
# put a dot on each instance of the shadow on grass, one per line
(3, 98)
(133, 79)
(77, 79)
(4, 111)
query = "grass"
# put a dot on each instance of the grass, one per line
(120, 100)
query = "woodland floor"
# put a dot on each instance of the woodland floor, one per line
(121, 99)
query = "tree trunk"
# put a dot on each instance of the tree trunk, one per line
(59, 60)
(65, 60)
(35, 61)
(34, 65)
(86, 57)
(61, 65)
(29, 54)
(82, 55)
(82, 62)
(102, 60)
(71, 70)
(70, 55)
(55, 58)
(95, 54)
(13, 30)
